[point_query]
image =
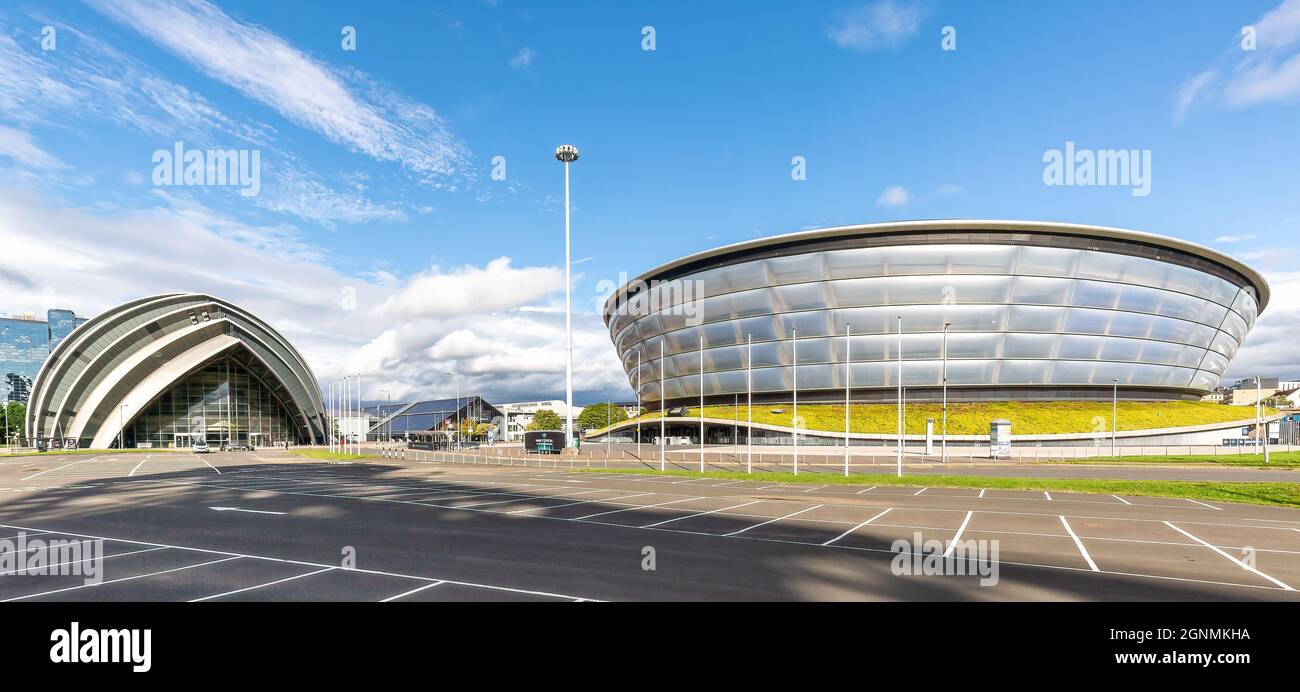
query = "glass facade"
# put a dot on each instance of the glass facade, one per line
(24, 346)
(1020, 316)
(221, 403)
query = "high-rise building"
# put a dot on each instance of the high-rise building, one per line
(25, 342)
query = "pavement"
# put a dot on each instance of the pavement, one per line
(268, 525)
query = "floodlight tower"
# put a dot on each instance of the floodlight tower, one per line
(567, 154)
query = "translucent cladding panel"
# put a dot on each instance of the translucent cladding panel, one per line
(772, 353)
(1198, 283)
(1215, 363)
(814, 377)
(963, 372)
(1041, 290)
(1191, 356)
(853, 263)
(1234, 325)
(922, 318)
(1143, 299)
(731, 305)
(727, 358)
(1025, 372)
(1246, 306)
(796, 268)
(1224, 344)
(1048, 261)
(1036, 319)
(809, 296)
(772, 380)
(949, 259)
(1030, 345)
(936, 290)
(1205, 381)
(1123, 268)
(731, 278)
(813, 350)
(730, 382)
(1116, 323)
(810, 323)
(721, 334)
(922, 373)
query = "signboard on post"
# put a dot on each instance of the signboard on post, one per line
(1000, 439)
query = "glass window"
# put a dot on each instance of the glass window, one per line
(1048, 261)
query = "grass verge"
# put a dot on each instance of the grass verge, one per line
(326, 455)
(1277, 460)
(1279, 494)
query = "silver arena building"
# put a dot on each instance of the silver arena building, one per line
(172, 370)
(1035, 311)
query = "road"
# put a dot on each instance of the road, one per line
(271, 526)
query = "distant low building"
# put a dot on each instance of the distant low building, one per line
(519, 414)
(422, 418)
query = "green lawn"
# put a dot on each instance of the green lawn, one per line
(326, 455)
(1280, 494)
(1027, 418)
(1275, 459)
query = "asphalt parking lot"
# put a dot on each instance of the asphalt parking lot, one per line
(272, 526)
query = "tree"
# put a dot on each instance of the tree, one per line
(601, 415)
(14, 432)
(546, 419)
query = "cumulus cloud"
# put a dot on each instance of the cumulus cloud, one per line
(893, 196)
(469, 289)
(1270, 73)
(1269, 349)
(881, 25)
(90, 260)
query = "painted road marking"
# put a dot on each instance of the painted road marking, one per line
(769, 521)
(1241, 564)
(1117, 497)
(919, 491)
(855, 528)
(114, 581)
(860, 492)
(628, 509)
(238, 509)
(1203, 504)
(418, 589)
(699, 514)
(259, 586)
(952, 544)
(1082, 550)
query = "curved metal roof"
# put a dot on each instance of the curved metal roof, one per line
(961, 225)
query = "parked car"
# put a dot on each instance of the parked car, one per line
(199, 448)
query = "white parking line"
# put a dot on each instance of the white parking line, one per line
(816, 488)
(1047, 495)
(629, 509)
(1117, 497)
(769, 521)
(209, 465)
(1082, 550)
(114, 581)
(579, 502)
(1203, 504)
(982, 491)
(259, 586)
(416, 590)
(41, 473)
(1241, 564)
(699, 514)
(952, 544)
(855, 528)
(867, 490)
(919, 491)
(137, 467)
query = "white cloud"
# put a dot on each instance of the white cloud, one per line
(94, 259)
(893, 196)
(523, 59)
(1244, 78)
(1269, 350)
(18, 145)
(474, 290)
(1233, 238)
(949, 189)
(881, 25)
(346, 107)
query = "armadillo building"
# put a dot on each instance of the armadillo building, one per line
(172, 370)
(1030, 311)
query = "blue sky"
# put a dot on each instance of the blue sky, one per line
(381, 244)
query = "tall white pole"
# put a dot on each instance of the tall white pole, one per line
(638, 404)
(749, 403)
(361, 431)
(701, 403)
(1114, 414)
(794, 415)
(568, 323)
(329, 416)
(943, 436)
(848, 388)
(1258, 391)
(898, 454)
(663, 419)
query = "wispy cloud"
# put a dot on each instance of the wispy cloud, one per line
(18, 145)
(523, 59)
(893, 196)
(347, 107)
(1233, 238)
(886, 24)
(1242, 78)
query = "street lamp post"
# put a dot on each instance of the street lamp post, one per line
(898, 453)
(1114, 413)
(638, 404)
(943, 436)
(567, 154)
(388, 424)
(457, 376)
(848, 388)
